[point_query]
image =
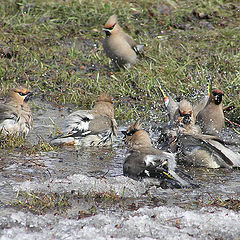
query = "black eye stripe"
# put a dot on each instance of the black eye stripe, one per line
(111, 28)
(22, 94)
(130, 133)
(217, 93)
(184, 115)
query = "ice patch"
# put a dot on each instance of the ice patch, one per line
(145, 223)
(85, 185)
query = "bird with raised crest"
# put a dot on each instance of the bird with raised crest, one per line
(118, 45)
(15, 114)
(145, 161)
(95, 127)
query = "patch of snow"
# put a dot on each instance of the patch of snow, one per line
(145, 223)
(85, 184)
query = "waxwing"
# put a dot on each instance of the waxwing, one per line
(211, 117)
(95, 127)
(180, 120)
(206, 151)
(145, 161)
(118, 45)
(15, 114)
(200, 105)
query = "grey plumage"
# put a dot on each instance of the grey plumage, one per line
(211, 117)
(206, 151)
(145, 161)
(95, 127)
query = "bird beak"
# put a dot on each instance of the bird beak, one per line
(29, 94)
(124, 133)
(186, 120)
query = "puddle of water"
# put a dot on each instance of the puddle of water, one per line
(100, 169)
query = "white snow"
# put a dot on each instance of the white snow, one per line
(145, 223)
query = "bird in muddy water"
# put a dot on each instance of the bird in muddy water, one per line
(180, 120)
(144, 161)
(184, 119)
(89, 128)
(15, 113)
(211, 117)
(118, 45)
(194, 148)
(185, 138)
(180, 114)
(205, 151)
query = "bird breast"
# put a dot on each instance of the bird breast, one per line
(117, 48)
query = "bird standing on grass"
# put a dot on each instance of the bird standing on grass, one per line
(15, 114)
(95, 127)
(118, 45)
(145, 161)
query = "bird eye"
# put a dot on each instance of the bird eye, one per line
(22, 94)
(111, 28)
(181, 114)
(130, 133)
(185, 114)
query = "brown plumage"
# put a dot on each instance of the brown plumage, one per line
(95, 127)
(118, 45)
(182, 121)
(145, 161)
(211, 117)
(15, 114)
(205, 151)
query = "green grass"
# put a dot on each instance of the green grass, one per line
(11, 142)
(40, 203)
(55, 48)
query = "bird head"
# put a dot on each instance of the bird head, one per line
(216, 96)
(111, 25)
(104, 105)
(104, 97)
(135, 137)
(185, 113)
(19, 95)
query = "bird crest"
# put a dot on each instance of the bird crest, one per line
(111, 22)
(136, 126)
(185, 107)
(104, 97)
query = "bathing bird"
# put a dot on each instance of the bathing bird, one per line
(211, 117)
(208, 151)
(180, 120)
(145, 161)
(95, 127)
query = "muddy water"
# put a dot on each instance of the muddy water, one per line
(100, 170)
